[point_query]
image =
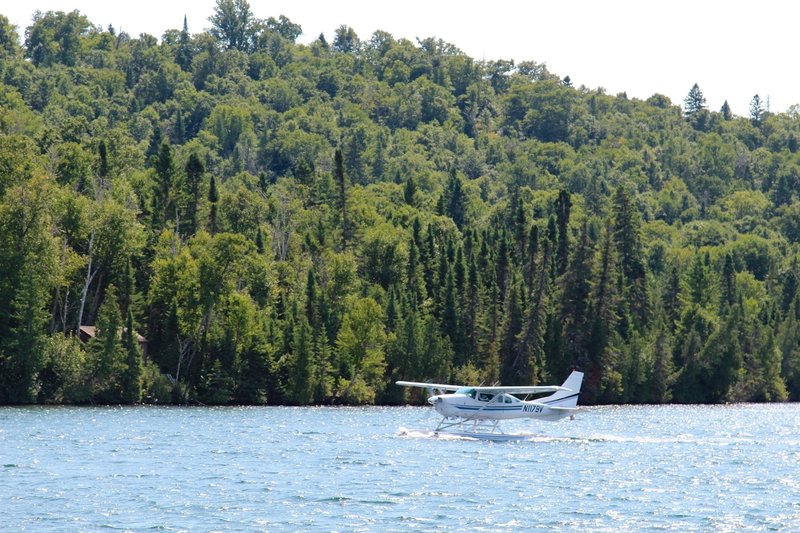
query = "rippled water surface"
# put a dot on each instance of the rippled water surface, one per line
(732, 468)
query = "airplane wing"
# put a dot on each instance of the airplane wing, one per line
(520, 389)
(437, 386)
(491, 390)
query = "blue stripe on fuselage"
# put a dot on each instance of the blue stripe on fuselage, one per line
(498, 408)
(562, 399)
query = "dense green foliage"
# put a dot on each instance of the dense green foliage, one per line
(299, 224)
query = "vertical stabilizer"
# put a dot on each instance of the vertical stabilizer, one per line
(566, 398)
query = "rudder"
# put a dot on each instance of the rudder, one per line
(566, 398)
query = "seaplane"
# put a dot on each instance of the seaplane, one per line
(476, 412)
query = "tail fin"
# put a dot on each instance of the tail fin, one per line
(566, 398)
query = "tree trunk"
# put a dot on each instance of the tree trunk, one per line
(89, 277)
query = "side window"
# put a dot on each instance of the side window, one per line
(484, 397)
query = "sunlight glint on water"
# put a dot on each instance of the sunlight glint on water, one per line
(381, 469)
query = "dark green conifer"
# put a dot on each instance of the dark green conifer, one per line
(728, 282)
(563, 205)
(410, 191)
(102, 170)
(132, 376)
(213, 198)
(342, 183)
(725, 110)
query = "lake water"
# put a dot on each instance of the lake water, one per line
(676, 468)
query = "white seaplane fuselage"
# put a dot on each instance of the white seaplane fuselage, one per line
(480, 409)
(473, 404)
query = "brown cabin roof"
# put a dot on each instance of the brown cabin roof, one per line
(91, 332)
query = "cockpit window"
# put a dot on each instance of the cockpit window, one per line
(507, 398)
(485, 397)
(466, 391)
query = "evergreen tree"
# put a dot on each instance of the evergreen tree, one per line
(784, 190)
(520, 230)
(436, 354)
(790, 285)
(28, 266)
(153, 148)
(533, 251)
(605, 317)
(722, 358)
(255, 374)
(471, 309)
(442, 273)
(405, 352)
(449, 318)
(694, 101)
(163, 198)
(102, 170)
(575, 298)
(217, 385)
(132, 376)
(414, 278)
(729, 296)
(771, 384)
(341, 181)
(312, 305)
(663, 368)
(552, 236)
(563, 204)
(108, 355)
(454, 201)
(428, 262)
(502, 267)
(128, 288)
(460, 279)
(788, 342)
(379, 157)
(213, 198)
(321, 365)
(726, 111)
(515, 364)
(392, 311)
(756, 110)
(410, 191)
(627, 239)
(259, 241)
(184, 52)
(194, 176)
(532, 336)
(301, 385)
(671, 298)
(698, 282)
(355, 144)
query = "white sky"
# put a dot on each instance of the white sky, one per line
(732, 49)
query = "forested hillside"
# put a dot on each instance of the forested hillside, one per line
(295, 224)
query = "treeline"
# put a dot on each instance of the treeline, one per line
(295, 224)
